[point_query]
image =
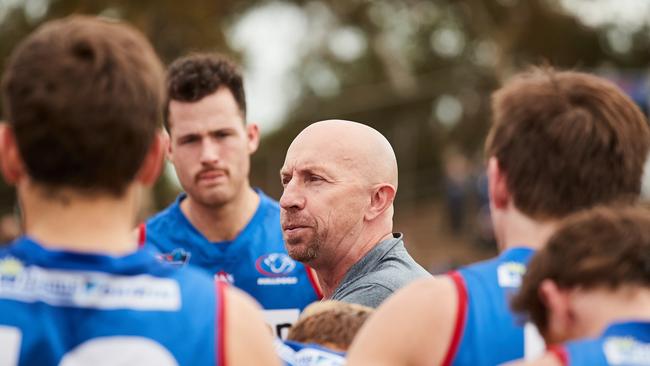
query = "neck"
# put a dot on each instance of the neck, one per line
(623, 304)
(522, 231)
(73, 221)
(223, 222)
(330, 273)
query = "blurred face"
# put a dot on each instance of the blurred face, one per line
(210, 147)
(323, 202)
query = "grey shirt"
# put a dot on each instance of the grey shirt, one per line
(382, 271)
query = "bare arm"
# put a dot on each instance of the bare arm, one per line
(413, 327)
(248, 340)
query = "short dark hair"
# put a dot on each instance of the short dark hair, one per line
(330, 322)
(598, 248)
(193, 77)
(567, 141)
(83, 96)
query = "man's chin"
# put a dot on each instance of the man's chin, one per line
(299, 251)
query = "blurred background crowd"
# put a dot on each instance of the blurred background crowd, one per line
(419, 71)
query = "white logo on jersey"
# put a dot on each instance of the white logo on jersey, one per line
(279, 263)
(626, 351)
(225, 277)
(87, 289)
(510, 274)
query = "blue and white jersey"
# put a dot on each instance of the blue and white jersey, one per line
(256, 261)
(622, 344)
(487, 332)
(65, 308)
(300, 354)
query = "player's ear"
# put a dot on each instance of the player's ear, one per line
(559, 316)
(152, 163)
(11, 164)
(253, 135)
(497, 185)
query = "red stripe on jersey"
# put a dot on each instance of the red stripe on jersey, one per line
(560, 353)
(142, 234)
(461, 317)
(314, 282)
(221, 323)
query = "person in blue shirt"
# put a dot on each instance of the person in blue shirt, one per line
(220, 223)
(82, 98)
(560, 142)
(588, 290)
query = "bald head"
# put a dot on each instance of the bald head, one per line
(340, 181)
(354, 146)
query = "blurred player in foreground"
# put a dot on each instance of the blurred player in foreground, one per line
(82, 98)
(560, 142)
(591, 285)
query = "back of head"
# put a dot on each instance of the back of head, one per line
(83, 97)
(193, 77)
(330, 323)
(600, 248)
(567, 141)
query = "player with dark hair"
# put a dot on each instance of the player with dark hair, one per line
(82, 98)
(220, 223)
(590, 287)
(560, 142)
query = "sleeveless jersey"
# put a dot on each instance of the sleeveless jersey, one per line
(65, 308)
(256, 261)
(300, 354)
(487, 332)
(622, 344)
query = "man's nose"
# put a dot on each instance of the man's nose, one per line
(292, 196)
(209, 152)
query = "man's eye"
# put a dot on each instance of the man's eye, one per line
(315, 178)
(285, 180)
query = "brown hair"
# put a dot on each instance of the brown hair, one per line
(193, 77)
(83, 97)
(567, 141)
(330, 323)
(599, 248)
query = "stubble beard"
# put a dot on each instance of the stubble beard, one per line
(306, 252)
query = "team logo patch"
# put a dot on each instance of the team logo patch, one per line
(177, 257)
(626, 351)
(275, 265)
(224, 277)
(510, 274)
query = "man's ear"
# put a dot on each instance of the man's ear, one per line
(152, 163)
(167, 143)
(13, 168)
(497, 185)
(253, 135)
(381, 200)
(559, 319)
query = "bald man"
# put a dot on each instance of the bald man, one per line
(340, 181)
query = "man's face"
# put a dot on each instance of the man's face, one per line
(210, 147)
(323, 202)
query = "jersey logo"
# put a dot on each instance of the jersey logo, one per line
(177, 257)
(87, 289)
(510, 274)
(275, 265)
(225, 277)
(276, 269)
(626, 351)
